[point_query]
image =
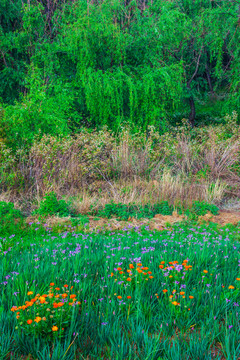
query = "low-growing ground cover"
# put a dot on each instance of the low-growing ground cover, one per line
(133, 294)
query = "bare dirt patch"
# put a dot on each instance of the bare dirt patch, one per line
(224, 217)
(158, 223)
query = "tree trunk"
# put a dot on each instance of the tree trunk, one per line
(192, 114)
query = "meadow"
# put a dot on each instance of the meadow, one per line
(131, 294)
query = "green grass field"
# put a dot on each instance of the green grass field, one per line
(132, 294)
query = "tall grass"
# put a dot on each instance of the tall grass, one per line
(183, 165)
(187, 309)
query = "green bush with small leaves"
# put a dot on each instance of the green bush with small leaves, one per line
(10, 218)
(123, 211)
(50, 205)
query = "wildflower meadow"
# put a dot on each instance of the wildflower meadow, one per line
(131, 294)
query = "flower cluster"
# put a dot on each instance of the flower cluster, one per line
(133, 275)
(44, 314)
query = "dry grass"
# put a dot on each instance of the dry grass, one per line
(169, 188)
(181, 166)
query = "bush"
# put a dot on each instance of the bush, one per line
(123, 212)
(50, 205)
(9, 218)
(201, 208)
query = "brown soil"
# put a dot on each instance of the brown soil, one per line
(157, 223)
(224, 217)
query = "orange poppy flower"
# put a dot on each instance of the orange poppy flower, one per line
(119, 297)
(131, 266)
(191, 297)
(205, 271)
(119, 268)
(175, 303)
(54, 328)
(57, 289)
(51, 284)
(150, 277)
(161, 266)
(129, 279)
(30, 293)
(128, 297)
(65, 285)
(238, 279)
(38, 319)
(64, 295)
(182, 293)
(139, 264)
(165, 290)
(120, 272)
(231, 287)
(149, 272)
(162, 262)
(29, 321)
(42, 299)
(72, 296)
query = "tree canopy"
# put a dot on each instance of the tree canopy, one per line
(66, 64)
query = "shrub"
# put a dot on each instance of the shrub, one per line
(201, 208)
(123, 211)
(50, 205)
(9, 218)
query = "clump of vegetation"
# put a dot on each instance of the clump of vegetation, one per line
(46, 314)
(11, 219)
(124, 212)
(199, 208)
(50, 205)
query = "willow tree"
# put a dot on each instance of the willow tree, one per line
(140, 61)
(115, 61)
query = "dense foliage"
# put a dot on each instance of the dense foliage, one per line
(70, 64)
